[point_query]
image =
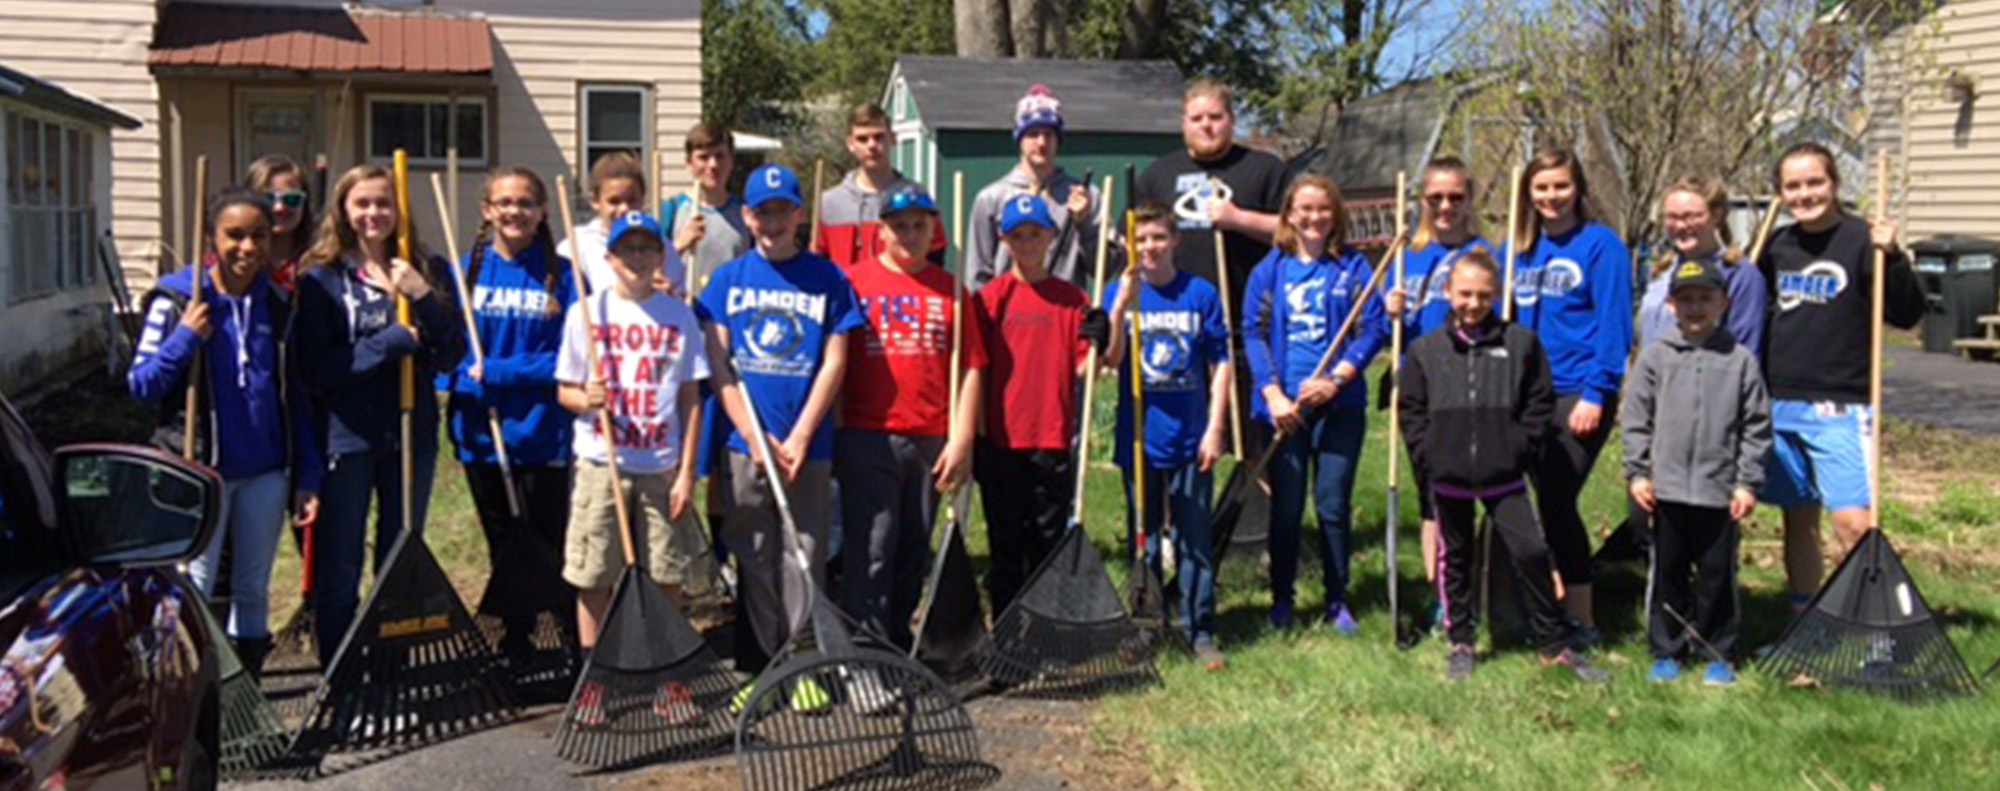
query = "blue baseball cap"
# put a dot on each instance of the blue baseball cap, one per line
(772, 183)
(908, 197)
(1023, 209)
(633, 222)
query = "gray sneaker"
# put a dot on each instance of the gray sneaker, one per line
(1579, 665)
(1458, 666)
(1208, 655)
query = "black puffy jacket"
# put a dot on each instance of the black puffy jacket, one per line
(1476, 412)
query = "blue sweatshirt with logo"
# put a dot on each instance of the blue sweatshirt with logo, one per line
(1426, 271)
(1291, 310)
(351, 351)
(1575, 291)
(520, 324)
(1181, 339)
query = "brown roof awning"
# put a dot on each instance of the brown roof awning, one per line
(196, 35)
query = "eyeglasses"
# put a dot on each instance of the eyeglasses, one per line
(290, 199)
(1437, 199)
(1684, 219)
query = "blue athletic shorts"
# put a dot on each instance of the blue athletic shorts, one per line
(1819, 455)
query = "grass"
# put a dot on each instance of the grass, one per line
(1311, 710)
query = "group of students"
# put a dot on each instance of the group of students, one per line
(882, 383)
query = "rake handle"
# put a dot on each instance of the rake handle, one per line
(407, 396)
(1229, 327)
(1090, 357)
(478, 349)
(191, 421)
(1878, 299)
(1513, 244)
(605, 426)
(1137, 348)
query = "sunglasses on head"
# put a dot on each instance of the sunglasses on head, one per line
(290, 199)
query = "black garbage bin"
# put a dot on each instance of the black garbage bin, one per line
(1960, 285)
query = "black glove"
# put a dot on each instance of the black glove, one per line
(1096, 328)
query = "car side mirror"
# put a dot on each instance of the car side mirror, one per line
(133, 506)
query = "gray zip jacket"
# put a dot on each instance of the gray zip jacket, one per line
(1072, 257)
(1697, 419)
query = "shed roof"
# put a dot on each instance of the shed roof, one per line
(1380, 134)
(35, 92)
(1129, 96)
(320, 39)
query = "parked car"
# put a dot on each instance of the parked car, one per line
(107, 671)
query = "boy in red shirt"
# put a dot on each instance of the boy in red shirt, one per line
(899, 445)
(1038, 329)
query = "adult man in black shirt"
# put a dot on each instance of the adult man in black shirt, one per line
(1245, 213)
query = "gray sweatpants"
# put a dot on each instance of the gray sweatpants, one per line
(888, 504)
(771, 594)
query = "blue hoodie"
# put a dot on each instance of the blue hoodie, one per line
(258, 420)
(1291, 311)
(1575, 292)
(520, 332)
(350, 349)
(1425, 272)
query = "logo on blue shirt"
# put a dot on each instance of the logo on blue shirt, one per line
(774, 336)
(1819, 283)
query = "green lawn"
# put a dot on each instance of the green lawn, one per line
(1312, 710)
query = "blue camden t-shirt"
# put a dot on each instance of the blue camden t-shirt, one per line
(1181, 338)
(1575, 291)
(780, 318)
(1426, 272)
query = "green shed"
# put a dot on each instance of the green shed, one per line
(957, 115)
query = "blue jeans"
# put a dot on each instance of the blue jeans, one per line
(1328, 452)
(1188, 495)
(352, 482)
(253, 516)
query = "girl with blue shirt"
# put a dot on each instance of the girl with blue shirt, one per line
(1573, 288)
(351, 349)
(1184, 347)
(1295, 302)
(519, 290)
(255, 426)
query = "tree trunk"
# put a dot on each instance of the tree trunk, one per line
(982, 28)
(1144, 31)
(1037, 28)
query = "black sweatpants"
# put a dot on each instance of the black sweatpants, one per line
(1458, 524)
(888, 504)
(1559, 480)
(525, 551)
(1694, 572)
(1027, 498)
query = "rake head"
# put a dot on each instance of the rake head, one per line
(1067, 635)
(1243, 513)
(1870, 630)
(529, 615)
(834, 713)
(413, 670)
(650, 691)
(252, 738)
(953, 629)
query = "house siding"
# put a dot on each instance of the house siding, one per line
(1947, 153)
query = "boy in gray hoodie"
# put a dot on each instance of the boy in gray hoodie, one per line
(1697, 426)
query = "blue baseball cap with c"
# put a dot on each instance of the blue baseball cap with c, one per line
(631, 222)
(772, 183)
(1024, 209)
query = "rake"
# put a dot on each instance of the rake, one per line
(950, 624)
(1245, 498)
(1147, 590)
(837, 707)
(1869, 628)
(1068, 634)
(292, 668)
(252, 737)
(651, 689)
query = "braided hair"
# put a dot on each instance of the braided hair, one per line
(545, 242)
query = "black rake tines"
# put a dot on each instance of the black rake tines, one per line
(414, 670)
(252, 738)
(1067, 635)
(863, 719)
(651, 690)
(952, 632)
(1870, 630)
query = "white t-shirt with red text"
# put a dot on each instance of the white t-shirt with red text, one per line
(646, 350)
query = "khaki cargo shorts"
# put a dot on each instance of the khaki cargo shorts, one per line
(676, 555)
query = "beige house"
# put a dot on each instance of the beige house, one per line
(1933, 95)
(547, 85)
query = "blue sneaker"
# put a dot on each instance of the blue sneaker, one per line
(1665, 671)
(1281, 615)
(1719, 674)
(1341, 619)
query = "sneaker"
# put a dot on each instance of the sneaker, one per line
(1665, 671)
(590, 706)
(741, 698)
(1342, 620)
(675, 704)
(808, 697)
(1584, 637)
(866, 692)
(1208, 655)
(1719, 674)
(1578, 664)
(1458, 665)
(1281, 615)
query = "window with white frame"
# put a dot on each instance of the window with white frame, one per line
(614, 118)
(425, 126)
(51, 186)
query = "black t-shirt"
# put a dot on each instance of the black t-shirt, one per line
(1820, 292)
(1255, 180)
